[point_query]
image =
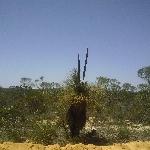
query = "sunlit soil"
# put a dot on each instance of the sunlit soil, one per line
(138, 145)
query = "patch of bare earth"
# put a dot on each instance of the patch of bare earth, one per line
(145, 145)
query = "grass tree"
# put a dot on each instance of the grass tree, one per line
(76, 114)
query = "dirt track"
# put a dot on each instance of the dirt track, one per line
(30, 146)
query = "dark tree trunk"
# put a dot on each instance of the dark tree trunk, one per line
(76, 117)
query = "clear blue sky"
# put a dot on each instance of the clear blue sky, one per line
(43, 37)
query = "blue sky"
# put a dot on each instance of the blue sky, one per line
(43, 37)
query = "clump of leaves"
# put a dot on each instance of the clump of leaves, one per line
(123, 134)
(43, 132)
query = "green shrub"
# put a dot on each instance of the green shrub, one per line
(146, 134)
(14, 135)
(43, 132)
(123, 134)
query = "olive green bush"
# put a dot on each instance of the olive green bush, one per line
(43, 132)
(24, 108)
(123, 134)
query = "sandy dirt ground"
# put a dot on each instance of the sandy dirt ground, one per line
(29, 146)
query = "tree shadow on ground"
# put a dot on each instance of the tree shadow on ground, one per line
(93, 137)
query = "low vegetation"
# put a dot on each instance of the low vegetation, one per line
(38, 111)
